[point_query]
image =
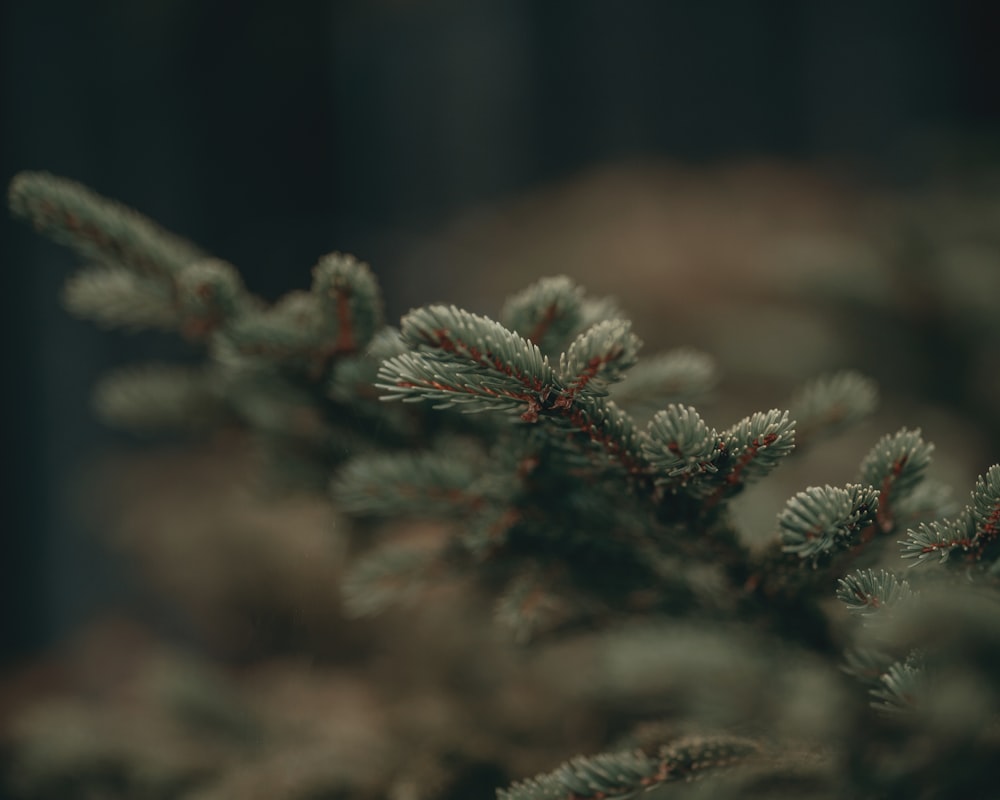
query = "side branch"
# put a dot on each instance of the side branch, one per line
(487, 359)
(98, 228)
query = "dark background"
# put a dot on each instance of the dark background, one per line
(272, 133)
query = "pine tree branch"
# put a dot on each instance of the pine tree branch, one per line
(596, 359)
(901, 687)
(973, 531)
(209, 294)
(866, 665)
(929, 500)
(686, 454)
(823, 519)
(752, 448)
(830, 403)
(460, 358)
(202, 297)
(867, 591)
(548, 313)
(97, 228)
(552, 311)
(674, 377)
(311, 331)
(411, 378)
(350, 301)
(941, 538)
(431, 484)
(391, 575)
(351, 385)
(896, 466)
(530, 605)
(289, 333)
(611, 430)
(680, 446)
(161, 397)
(625, 774)
(986, 507)
(114, 297)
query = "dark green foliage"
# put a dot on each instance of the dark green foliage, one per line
(575, 515)
(680, 446)
(901, 685)
(830, 403)
(161, 397)
(895, 466)
(867, 591)
(678, 376)
(973, 533)
(552, 312)
(825, 518)
(625, 774)
(98, 229)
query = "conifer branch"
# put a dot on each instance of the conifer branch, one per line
(434, 484)
(552, 311)
(548, 313)
(289, 332)
(411, 377)
(940, 538)
(677, 376)
(901, 687)
(310, 331)
(685, 453)
(680, 446)
(895, 466)
(866, 591)
(463, 358)
(530, 605)
(830, 403)
(160, 397)
(610, 431)
(971, 532)
(579, 515)
(97, 228)
(350, 302)
(753, 447)
(209, 294)
(114, 297)
(487, 529)
(823, 519)
(449, 334)
(867, 665)
(596, 359)
(199, 299)
(931, 499)
(460, 358)
(625, 774)
(351, 384)
(389, 576)
(986, 507)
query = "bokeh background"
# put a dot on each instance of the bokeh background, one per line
(429, 136)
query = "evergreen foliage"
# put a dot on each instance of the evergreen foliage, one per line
(831, 403)
(624, 774)
(973, 533)
(569, 509)
(825, 518)
(867, 591)
(677, 376)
